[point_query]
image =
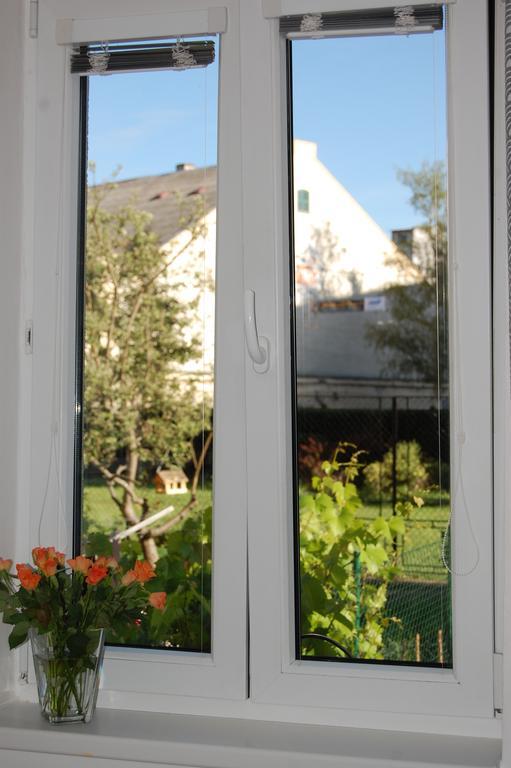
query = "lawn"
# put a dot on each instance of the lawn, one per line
(101, 515)
(419, 597)
(421, 549)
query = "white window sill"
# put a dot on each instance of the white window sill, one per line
(143, 739)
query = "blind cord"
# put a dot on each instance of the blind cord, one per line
(56, 386)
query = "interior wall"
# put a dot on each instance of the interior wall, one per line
(11, 80)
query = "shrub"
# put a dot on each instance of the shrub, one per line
(411, 471)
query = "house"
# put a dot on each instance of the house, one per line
(170, 481)
(340, 253)
(339, 248)
(252, 704)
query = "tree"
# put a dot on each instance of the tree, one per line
(416, 336)
(319, 270)
(138, 405)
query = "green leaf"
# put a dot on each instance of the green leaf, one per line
(12, 617)
(18, 635)
(77, 644)
(397, 525)
(381, 528)
(345, 621)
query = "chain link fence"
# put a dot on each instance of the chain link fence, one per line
(418, 608)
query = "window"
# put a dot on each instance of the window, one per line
(371, 391)
(303, 200)
(214, 662)
(148, 322)
(257, 402)
(278, 672)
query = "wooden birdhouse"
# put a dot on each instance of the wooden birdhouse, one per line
(171, 481)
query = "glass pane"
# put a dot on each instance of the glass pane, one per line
(371, 374)
(148, 326)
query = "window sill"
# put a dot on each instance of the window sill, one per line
(148, 738)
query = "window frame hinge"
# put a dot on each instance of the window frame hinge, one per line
(498, 688)
(33, 18)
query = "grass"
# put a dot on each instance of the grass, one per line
(421, 550)
(101, 515)
(421, 547)
(419, 597)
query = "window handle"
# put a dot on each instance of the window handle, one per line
(258, 348)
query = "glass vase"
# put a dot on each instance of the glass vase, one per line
(68, 681)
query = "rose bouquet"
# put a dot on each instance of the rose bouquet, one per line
(66, 607)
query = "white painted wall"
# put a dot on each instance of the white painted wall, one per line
(11, 89)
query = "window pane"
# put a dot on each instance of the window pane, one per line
(148, 328)
(371, 373)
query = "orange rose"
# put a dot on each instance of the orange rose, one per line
(5, 565)
(158, 600)
(39, 555)
(107, 562)
(48, 567)
(96, 573)
(143, 571)
(60, 558)
(80, 564)
(128, 578)
(29, 579)
(48, 559)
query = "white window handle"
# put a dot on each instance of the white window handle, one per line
(258, 348)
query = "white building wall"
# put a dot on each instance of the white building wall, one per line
(335, 222)
(192, 276)
(351, 241)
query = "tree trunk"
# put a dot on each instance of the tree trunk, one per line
(128, 509)
(145, 537)
(149, 548)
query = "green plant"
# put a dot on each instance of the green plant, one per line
(411, 474)
(183, 572)
(345, 562)
(414, 339)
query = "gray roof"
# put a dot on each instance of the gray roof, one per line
(160, 196)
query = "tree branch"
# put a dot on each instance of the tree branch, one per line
(199, 463)
(110, 485)
(162, 529)
(117, 480)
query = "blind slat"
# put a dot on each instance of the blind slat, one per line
(406, 19)
(122, 58)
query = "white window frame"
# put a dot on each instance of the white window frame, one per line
(252, 409)
(276, 675)
(223, 672)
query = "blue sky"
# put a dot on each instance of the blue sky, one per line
(373, 105)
